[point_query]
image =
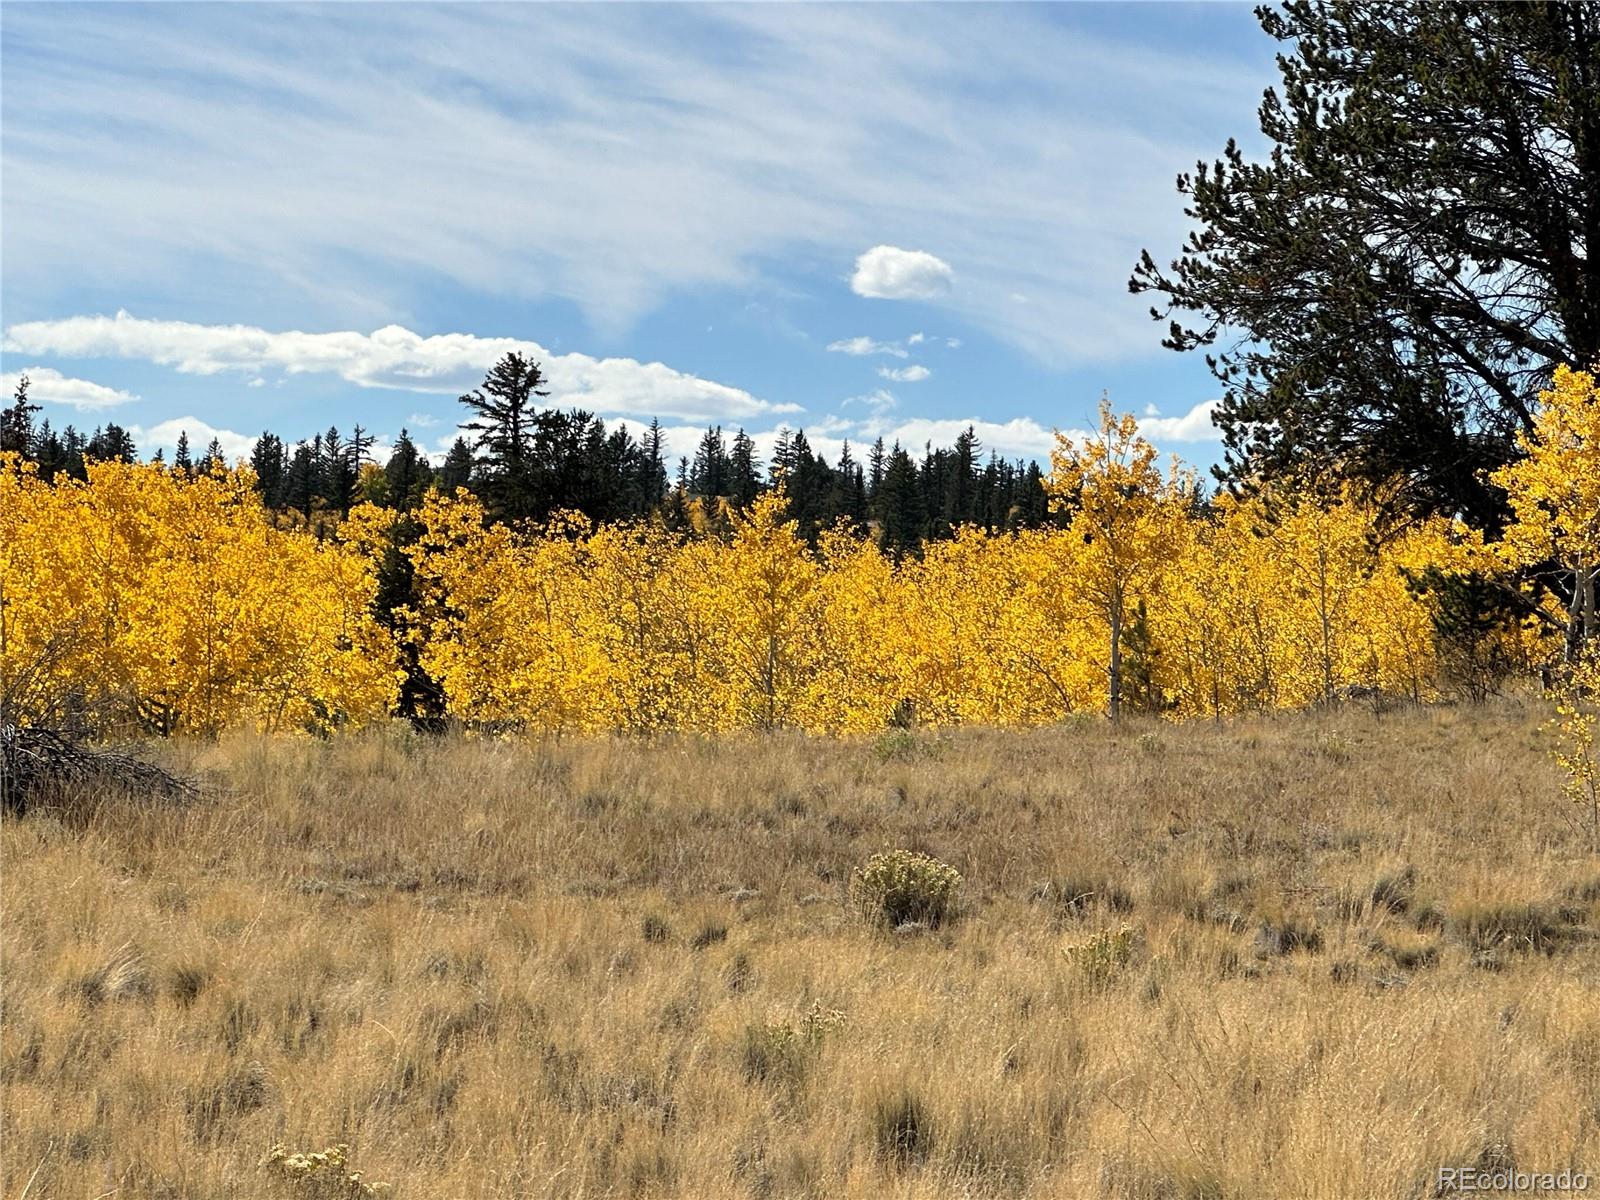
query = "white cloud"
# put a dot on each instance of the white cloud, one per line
(164, 436)
(915, 373)
(1021, 437)
(256, 382)
(953, 343)
(1194, 426)
(860, 347)
(890, 273)
(391, 357)
(46, 385)
(916, 339)
(422, 420)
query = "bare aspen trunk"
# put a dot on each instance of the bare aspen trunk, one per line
(1576, 611)
(1590, 582)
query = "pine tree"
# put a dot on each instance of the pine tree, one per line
(300, 486)
(504, 411)
(903, 516)
(49, 452)
(744, 481)
(182, 461)
(456, 470)
(709, 474)
(269, 462)
(407, 472)
(112, 444)
(655, 467)
(16, 422)
(875, 468)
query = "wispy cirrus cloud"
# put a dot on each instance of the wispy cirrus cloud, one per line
(861, 347)
(915, 373)
(391, 357)
(339, 164)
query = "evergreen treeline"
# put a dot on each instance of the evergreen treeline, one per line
(527, 463)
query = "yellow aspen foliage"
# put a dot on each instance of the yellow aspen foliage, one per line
(144, 598)
(179, 605)
(1554, 494)
(508, 633)
(767, 605)
(1128, 518)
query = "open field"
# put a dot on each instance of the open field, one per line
(1362, 947)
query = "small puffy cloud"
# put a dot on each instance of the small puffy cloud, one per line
(890, 273)
(861, 347)
(1194, 426)
(422, 421)
(915, 373)
(392, 357)
(46, 385)
(916, 339)
(953, 343)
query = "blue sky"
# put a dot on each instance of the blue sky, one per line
(860, 220)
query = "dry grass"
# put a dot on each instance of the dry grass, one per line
(1357, 948)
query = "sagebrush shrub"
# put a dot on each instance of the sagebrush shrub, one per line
(323, 1173)
(1101, 956)
(900, 886)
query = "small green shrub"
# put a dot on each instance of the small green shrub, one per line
(781, 1050)
(901, 886)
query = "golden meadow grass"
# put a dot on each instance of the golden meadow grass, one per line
(1312, 956)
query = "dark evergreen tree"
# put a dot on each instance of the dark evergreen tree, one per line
(182, 460)
(875, 468)
(782, 458)
(300, 485)
(407, 473)
(504, 412)
(456, 470)
(654, 469)
(744, 479)
(902, 513)
(710, 473)
(269, 461)
(16, 422)
(49, 452)
(112, 443)
(74, 449)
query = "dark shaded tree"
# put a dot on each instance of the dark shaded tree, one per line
(902, 513)
(16, 421)
(182, 459)
(1384, 293)
(503, 418)
(456, 470)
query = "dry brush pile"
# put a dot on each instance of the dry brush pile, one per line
(1317, 957)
